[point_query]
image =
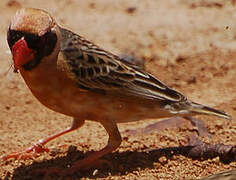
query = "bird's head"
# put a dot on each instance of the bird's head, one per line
(31, 36)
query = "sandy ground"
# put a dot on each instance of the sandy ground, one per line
(190, 45)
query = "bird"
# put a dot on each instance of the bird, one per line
(71, 75)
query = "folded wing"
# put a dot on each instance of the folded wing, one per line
(96, 69)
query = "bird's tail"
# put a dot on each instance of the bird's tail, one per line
(201, 109)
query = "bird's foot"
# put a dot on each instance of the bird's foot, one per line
(28, 153)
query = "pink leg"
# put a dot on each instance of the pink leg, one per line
(113, 143)
(38, 147)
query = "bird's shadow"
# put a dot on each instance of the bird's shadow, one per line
(120, 163)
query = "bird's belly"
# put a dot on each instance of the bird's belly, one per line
(97, 107)
(129, 111)
(65, 97)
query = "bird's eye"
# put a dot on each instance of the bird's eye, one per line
(33, 41)
(13, 37)
(49, 41)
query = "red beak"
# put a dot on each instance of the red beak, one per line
(22, 54)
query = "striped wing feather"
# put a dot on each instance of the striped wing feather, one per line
(96, 69)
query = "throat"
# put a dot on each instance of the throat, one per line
(32, 64)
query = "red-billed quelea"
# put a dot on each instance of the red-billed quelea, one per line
(73, 76)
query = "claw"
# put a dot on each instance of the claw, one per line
(28, 153)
